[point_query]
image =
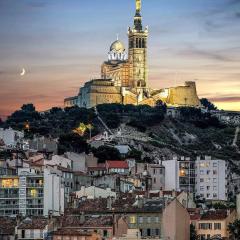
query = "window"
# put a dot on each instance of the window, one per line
(156, 219)
(201, 172)
(148, 219)
(214, 188)
(105, 233)
(201, 179)
(157, 232)
(140, 219)
(208, 172)
(214, 195)
(208, 187)
(215, 164)
(205, 226)
(201, 188)
(154, 180)
(217, 226)
(214, 180)
(154, 171)
(132, 219)
(33, 193)
(214, 172)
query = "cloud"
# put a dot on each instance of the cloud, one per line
(198, 53)
(225, 99)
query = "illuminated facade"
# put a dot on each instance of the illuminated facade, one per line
(124, 79)
(31, 194)
(180, 174)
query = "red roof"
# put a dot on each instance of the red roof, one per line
(116, 164)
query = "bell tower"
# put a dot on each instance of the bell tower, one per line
(137, 53)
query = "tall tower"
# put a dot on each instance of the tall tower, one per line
(137, 53)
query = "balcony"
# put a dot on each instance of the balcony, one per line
(9, 206)
(34, 206)
(9, 196)
(34, 185)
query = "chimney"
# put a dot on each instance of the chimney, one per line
(238, 205)
(109, 203)
(82, 218)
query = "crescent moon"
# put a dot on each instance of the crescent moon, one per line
(23, 72)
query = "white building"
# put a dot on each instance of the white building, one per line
(95, 192)
(211, 179)
(34, 228)
(179, 174)
(58, 160)
(31, 193)
(11, 137)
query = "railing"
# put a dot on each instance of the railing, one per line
(34, 185)
(34, 206)
(9, 206)
(9, 195)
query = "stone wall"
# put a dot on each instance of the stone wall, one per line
(184, 95)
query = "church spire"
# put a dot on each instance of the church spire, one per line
(138, 18)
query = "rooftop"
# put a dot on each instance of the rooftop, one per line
(117, 164)
(7, 226)
(33, 223)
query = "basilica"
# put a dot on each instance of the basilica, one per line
(124, 76)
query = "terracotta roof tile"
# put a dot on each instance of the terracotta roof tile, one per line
(117, 164)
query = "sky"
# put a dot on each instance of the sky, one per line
(62, 44)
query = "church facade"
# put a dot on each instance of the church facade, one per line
(124, 77)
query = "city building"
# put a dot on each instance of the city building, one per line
(11, 137)
(7, 228)
(35, 228)
(93, 192)
(176, 221)
(214, 223)
(124, 77)
(211, 179)
(120, 167)
(180, 174)
(66, 234)
(31, 193)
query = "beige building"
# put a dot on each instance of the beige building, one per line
(124, 77)
(176, 221)
(214, 223)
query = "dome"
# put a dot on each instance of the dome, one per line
(117, 46)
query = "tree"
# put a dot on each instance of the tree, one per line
(72, 142)
(104, 153)
(207, 104)
(234, 230)
(193, 232)
(137, 155)
(28, 107)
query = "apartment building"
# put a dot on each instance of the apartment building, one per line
(31, 193)
(180, 174)
(211, 179)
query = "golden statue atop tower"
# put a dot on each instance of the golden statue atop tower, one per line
(138, 5)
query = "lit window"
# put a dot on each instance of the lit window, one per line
(33, 192)
(8, 183)
(132, 219)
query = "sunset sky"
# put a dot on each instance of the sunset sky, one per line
(62, 43)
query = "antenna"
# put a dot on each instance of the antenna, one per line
(117, 36)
